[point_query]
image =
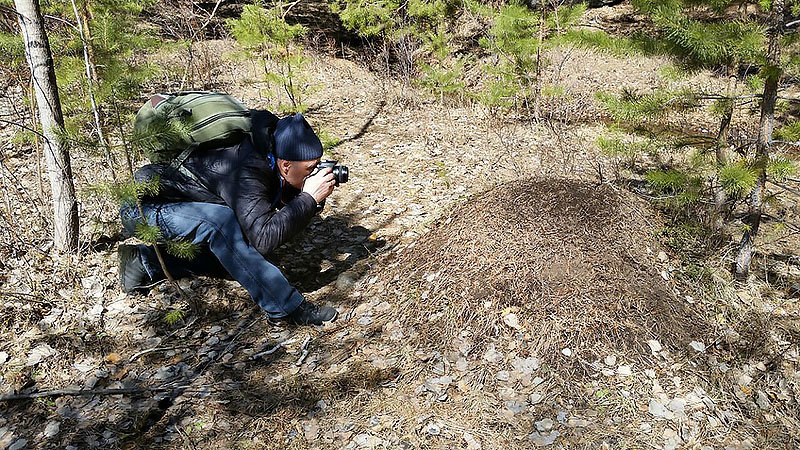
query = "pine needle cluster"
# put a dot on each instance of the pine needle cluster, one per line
(265, 34)
(632, 106)
(701, 35)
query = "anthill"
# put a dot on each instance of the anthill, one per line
(555, 264)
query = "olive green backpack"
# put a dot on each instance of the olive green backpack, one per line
(169, 127)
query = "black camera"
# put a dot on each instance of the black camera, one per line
(340, 173)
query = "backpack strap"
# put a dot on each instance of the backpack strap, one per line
(177, 164)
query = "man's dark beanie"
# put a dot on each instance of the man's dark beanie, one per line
(295, 140)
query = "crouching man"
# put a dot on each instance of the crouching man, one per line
(239, 202)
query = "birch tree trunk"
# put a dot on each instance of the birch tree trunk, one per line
(773, 71)
(40, 61)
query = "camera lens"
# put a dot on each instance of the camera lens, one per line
(341, 174)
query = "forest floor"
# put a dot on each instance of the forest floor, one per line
(495, 288)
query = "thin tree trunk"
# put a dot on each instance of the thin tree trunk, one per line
(721, 153)
(86, 17)
(83, 30)
(753, 218)
(40, 61)
(537, 99)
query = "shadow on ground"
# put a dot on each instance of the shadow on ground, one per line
(330, 247)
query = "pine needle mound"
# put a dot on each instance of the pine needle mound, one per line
(567, 260)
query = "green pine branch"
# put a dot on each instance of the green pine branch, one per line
(630, 106)
(182, 249)
(737, 179)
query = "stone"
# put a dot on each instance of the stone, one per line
(655, 346)
(311, 430)
(656, 408)
(472, 443)
(6, 437)
(516, 407)
(762, 400)
(38, 354)
(698, 346)
(744, 379)
(544, 425)
(503, 375)
(462, 365)
(491, 355)
(535, 398)
(575, 422)
(91, 382)
(345, 281)
(87, 365)
(3, 358)
(19, 445)
(52, 429)
(731, 337)
(364, 321)
(561, 417)
(215, 329)
(433, 429)
(512, 321)
(624, 371)
(527, 365)
(544, 439)
(367, 440)
(566, 352)
(213, 340)
(610, 360)
(677, 405)
(163, 373)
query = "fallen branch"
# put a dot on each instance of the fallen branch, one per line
(273, 349)
(86, 392)
(157, 349)
(304, 350)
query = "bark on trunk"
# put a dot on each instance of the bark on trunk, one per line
(721, 153)
(40, 61)
(753, 218)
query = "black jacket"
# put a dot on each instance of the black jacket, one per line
(244, 177)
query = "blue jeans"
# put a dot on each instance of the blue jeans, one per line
(216, 226)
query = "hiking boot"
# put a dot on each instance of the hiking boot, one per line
(310, 314)
(132, 274)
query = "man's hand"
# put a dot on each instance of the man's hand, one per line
(320, 185)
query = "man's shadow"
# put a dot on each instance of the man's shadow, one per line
(326, 249)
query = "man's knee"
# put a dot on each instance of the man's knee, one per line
(220, 215)
(220, 219)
